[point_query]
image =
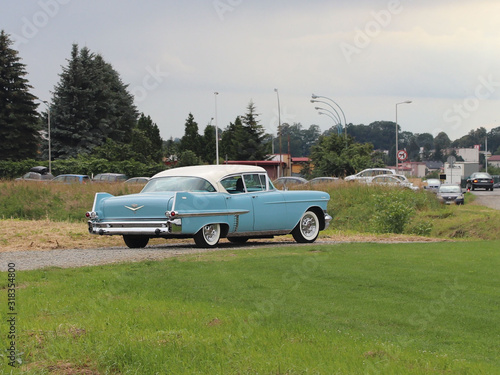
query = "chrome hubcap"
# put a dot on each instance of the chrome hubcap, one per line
(210, 232)
(308, 226)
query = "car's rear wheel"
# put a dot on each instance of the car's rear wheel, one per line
(135, 242)
(238, 239)
(307, 229)
(208, 236)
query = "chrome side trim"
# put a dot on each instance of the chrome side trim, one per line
(212, 213)
(259, 233)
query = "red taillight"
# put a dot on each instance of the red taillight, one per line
(170, 214)
(87, 214)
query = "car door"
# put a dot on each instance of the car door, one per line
(269, 206)
(237, 200)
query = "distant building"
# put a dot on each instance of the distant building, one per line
(274, 168)
(277, 165)
(413, 168)
(494, 160)
(434, 166)
(470, 155)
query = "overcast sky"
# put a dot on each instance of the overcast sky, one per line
(366, 56)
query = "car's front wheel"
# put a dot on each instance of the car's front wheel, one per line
(307, 229)
(208, 236)
(135, 242)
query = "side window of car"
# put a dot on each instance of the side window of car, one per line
(253, 182)
(233, 184)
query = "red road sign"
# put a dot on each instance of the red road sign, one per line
(402, 155)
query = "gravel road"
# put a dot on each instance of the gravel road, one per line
(68, 258)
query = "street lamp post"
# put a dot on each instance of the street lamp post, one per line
(279, 127)
(315, 99)
(397, 147)
(216, 132)
(336, 121)
(48, 133)
(335, 115)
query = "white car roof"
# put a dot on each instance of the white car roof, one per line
(211, 173)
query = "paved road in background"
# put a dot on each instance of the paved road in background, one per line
(488, 198)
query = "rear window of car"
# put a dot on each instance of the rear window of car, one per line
(481, 175)
(180, 183)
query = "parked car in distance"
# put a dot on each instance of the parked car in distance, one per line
(109, 177)
(207, 203)
(39, 173)
(432, 184)
(449, 194)
(392, 180)
(481, 180)
(138, 180)
(72, 179)
(496, 185)
(286, 182)
(323, 180)
(368, 173)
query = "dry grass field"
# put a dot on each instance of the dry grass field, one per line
(39, 235)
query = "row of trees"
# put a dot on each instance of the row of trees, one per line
(92, 113)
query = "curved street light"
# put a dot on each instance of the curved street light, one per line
(336, 114)
(338, 124)
(315, 97)
(397, 145)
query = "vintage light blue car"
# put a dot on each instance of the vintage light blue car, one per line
(207, 203)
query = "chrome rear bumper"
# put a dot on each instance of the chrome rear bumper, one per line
(144, 228)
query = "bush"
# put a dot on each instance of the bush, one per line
(83, 164)
(420, 228)
(392, 212)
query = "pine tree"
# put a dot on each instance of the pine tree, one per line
(207, 152)
(152, 147)
(90, 105)
(233, 141)
(254, 147)
(19, 137)
(191, 140)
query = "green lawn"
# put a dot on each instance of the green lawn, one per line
(356, 308)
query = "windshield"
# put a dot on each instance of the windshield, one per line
(481, 175)
(175, 183)
(450, 189)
